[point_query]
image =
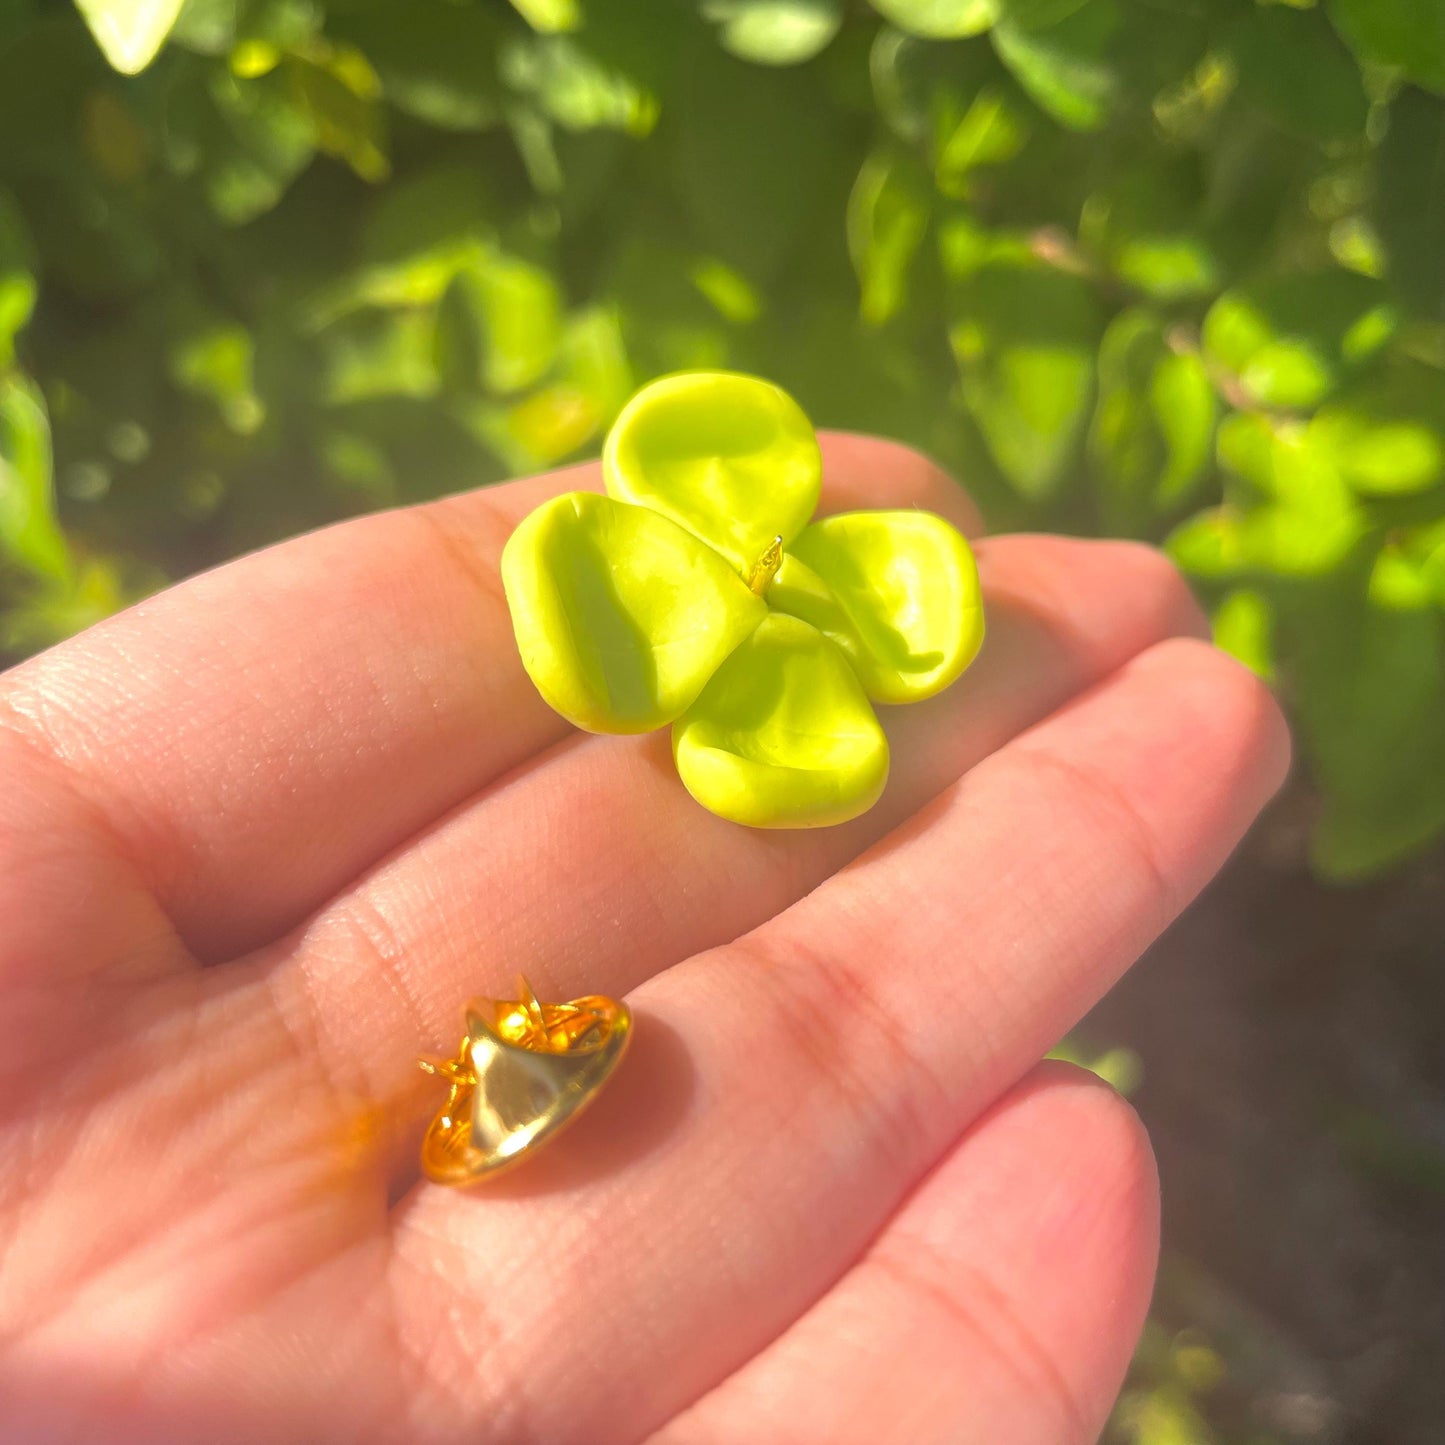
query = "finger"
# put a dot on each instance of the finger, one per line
(1000, 1304)
(595, 869)
(254, 738)
(832, 1056)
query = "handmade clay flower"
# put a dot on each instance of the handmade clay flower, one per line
(697, 593)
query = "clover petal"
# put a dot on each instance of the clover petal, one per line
(783, 736)
(896, 591)
(621, 616)
(730, 457)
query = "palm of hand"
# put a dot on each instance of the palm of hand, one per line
(261, 837)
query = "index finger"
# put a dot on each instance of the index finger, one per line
(255, 738)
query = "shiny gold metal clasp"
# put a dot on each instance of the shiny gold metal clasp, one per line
(524, 1070)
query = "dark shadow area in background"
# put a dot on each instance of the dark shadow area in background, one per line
(1293, 1047)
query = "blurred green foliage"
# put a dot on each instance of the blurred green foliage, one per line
(1159, 268)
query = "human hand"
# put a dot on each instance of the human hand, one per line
(261, 837)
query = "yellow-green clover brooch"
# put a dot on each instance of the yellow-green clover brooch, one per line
(697, 593)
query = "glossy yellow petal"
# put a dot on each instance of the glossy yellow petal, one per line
(731, 458)
(783, 736)
(897, 591)
(620, 615)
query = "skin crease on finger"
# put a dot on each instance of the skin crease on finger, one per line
(195, 1093)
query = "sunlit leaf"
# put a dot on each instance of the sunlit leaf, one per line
(1086, 60)
(18, 287)
(775, 32)
(339, 94)
(376, 352)
(218, 361)
(93, 590)
(130, 32)
(30, 537)
(1299, 518)
(887, 218)
(500, 321)
(1289, 340)
(1148, 228)
(1387, 435)
(587, 388)
(990, 133)
(783, 735)
(939, 19)
(575, 88)
(1244, 624)
(1024, 335)
(550, 17)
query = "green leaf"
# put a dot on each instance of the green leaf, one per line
(1147, 228)
(752, 160)
(373, 352)
(887, 218)
(783, 735)
(246, 140)
(922, 88)
(500, 322)
(1370, 676)
(775, 32)
(1289, 340)
(130, 32)
(940, 19)
(550, 17)
(1024, 336)
(1387, 435)
(1292, 67)
(897, 592)
(438, 63)
(1153, 428)
(1408, 203)
(1244, 626)
(93, 590)
(1209, 546)
(991, 132)
(1298, 519)
(339, 94)
(217, 360)
(30, 536)
(729, 457)
(621, 616)
(1084, 61)
(576, 89)
(1067, 68)
(587, 388)
(18, 287)
(1405, 35)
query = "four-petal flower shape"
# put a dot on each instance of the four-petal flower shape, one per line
(699, 593)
